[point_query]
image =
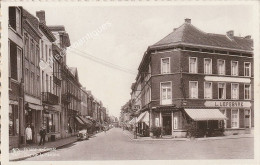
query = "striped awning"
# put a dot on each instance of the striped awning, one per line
(79, 120)
(143, 117)
(205, 114)
(86, 121)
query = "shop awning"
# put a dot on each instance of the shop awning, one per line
(133, 121)
(86, 121)
(79, 120)
(34, 106)
(143, 117)
(205, 114)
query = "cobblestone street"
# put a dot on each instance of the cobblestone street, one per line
(116, 145)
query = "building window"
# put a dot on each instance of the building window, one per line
(234, 68)
(46, 53)
(247, 91)
(247, 66)
(234, 118)
(166, 93)
(175, 122)
(42, 49)
(221, 91)
(32, 52)
(193, 65)
(221, 67)
(208, 90)
(193, 86)
(27, 82)
(50, 84)
(38, 85)
(207, 66)
(15, 61)
(26, 47)
(224, 113)
(47, 83)
(165, 65)
(234, 91)
(15, 19)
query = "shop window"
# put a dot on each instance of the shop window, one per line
(208, 90)
(193, 64)
(221, 91)
(207, 66)
(166, 93)
(13, 120)
(247, 67)
(165, 65)
(221, 67)
(234, 118)
(247, 91)
(234, 91)
(175, 122)
(234, 68)
(193, 89)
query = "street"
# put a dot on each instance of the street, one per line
(116, 145)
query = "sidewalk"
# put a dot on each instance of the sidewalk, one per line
(131, 136)
(22, 153)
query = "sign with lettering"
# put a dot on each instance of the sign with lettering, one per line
(228, 104)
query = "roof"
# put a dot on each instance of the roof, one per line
(47, 32)
(189, 34)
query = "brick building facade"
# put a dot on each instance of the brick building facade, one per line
(193, 76)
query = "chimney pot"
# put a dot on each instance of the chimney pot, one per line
(230, 33)
(248, 37)
(188, 20)
(41, 15)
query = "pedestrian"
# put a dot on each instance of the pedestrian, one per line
(105, 130)
(28, 133)
(42, 134)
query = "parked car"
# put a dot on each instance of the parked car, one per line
(83, 135)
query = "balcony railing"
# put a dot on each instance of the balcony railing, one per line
(66, 98)
(49, 98)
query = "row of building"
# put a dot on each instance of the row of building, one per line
(43, 90)
(194, 77)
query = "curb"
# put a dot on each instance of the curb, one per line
(39, 153)
(186, 139)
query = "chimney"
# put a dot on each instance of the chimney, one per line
(230, 33)
(41, 15)
(248, 37)
(188, 20)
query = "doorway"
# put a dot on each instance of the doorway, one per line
(167, 126)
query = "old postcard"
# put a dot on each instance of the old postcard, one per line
(120, 82)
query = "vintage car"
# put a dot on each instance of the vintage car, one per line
(82, 135)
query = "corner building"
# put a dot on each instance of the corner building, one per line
(193, 76)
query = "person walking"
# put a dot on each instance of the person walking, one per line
(28, 133)
(42, 134)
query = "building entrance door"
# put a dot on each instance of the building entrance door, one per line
(167, 126)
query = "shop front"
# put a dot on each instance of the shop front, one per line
(51, 121)
(143, 124)
(33, 118)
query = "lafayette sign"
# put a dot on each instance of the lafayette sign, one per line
(238, 104)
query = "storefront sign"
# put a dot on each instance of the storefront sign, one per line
(240, 104)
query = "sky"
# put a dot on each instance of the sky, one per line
(128, 31)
